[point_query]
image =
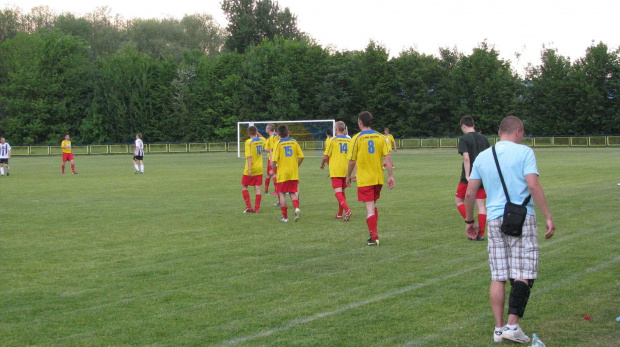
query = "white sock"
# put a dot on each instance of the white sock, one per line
(2, 171)
(141, 168)
(136, 166)
(512, 327)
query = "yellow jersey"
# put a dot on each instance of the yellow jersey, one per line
(338, 153)
(254, 149)
(328, 141)
(389, 141)
(272, 141)
(65, 143)
(368, 149)
(286, 153)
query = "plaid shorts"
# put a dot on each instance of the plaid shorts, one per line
(513, 257)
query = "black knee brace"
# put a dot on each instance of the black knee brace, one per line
(519, 294)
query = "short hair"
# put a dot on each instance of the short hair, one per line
(510, 124)
(340, 126)
(329, 132)
(467, 121)
(271, 127)
(366, 118)
(283, 131)
(139, 135)
(252, 130)
(388, 129)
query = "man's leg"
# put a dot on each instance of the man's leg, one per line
(371, 220)
(482, 216)
(295, 201)
(283, 207)
(142, 166)
(258, 198)
(135, 165)
(497, 294)
(72, 166)
(246, 198)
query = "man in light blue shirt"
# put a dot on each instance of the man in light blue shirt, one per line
(513, 259)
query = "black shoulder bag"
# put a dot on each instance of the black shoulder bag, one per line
(514, 215)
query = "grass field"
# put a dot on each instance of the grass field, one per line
(109, 258)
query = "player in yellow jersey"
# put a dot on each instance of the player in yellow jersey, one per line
(329, 136)
(253, 172)
(336, 154)
(390, 142)
(367, 152)
(287, 155)
(271, 143)
(67, 154)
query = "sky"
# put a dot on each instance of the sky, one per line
(522, 27)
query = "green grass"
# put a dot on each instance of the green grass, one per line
(108, 258)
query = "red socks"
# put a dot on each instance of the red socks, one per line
(482, 223)
(372, 227)
(257, 204)
(73, 167)
(462, 211)
(296, 203)
(63, 169)
(246, 198)
(284, 212)
(342, 203)
(267, 185)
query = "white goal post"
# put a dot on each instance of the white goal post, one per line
(310, 134)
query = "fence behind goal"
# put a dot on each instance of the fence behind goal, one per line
(312, 147)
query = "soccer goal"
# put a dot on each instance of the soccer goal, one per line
(310, 134)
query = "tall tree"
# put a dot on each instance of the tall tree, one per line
(252, 21)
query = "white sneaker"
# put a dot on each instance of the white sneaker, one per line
(497, 335)
(515, 335)
(297, 214)
(284, 220)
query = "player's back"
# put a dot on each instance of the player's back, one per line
(286, 154)
(338, 152)
(473, 143)
(254, 148)
(368, 150)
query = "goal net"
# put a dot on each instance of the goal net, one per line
(310, 134)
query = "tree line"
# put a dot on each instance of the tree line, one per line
(102, 78)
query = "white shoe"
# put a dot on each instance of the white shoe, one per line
(277, 204)
(515, 335)
(284, 220)
(497, 335)
(297, 214)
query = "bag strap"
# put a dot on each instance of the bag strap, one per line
(501, 177)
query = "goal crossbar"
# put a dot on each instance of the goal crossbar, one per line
(322, 124)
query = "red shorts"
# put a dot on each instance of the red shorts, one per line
(339, 182)
(288, 186)
(462, 188)
(67, 157)
(256, 180)
(369, 193)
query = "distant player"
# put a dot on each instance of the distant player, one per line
(470, 145)
(5, 155)
(287, 155)
(67, 154)
(138, 154)
(337, 155)
(271, 143)
(368, 150)
(253, 172)
(390, 142)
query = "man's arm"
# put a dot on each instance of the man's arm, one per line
(466, 165)
(299, 161)
(394, 142)
(538, 195)
(388, 162)
(323, 161)
(350, 171)
(250, 166)
(470, 200)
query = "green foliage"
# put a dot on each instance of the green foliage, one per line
(103, 78)
(46, 86)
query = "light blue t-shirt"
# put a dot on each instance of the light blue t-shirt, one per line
(516, 161)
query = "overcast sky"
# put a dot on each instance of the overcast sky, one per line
(511, 26)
